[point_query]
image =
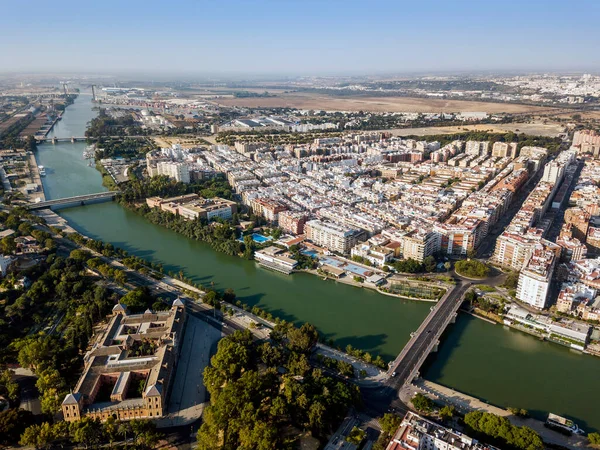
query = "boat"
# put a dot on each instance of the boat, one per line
(42, 171)
(562, 425)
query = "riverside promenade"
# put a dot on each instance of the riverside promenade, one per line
(465, 403)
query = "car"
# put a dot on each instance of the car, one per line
(394, 374)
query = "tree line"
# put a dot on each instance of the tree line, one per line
(263, 395)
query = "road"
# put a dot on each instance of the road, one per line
(409, 360)
(385, 397)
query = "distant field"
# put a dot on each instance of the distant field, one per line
(378, 104)
(534, 129)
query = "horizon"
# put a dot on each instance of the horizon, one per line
(265, 38)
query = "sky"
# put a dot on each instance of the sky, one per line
(309, 37)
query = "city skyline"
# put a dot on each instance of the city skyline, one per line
(265, 37)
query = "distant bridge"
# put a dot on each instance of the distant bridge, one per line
(74, 139)
(79, 200)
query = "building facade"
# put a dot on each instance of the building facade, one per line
(118, 365)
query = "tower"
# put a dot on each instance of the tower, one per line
(71, 407)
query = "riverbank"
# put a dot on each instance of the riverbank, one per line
(465, 403)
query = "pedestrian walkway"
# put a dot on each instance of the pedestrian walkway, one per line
(188, 394)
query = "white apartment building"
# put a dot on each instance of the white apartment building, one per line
(179, 171)
(477, 148)
(332, 236)
(534, 279)
(375, 254)
(533, 288)
(553, 172)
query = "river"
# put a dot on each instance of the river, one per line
(501, 366)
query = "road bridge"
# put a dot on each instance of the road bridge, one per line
(78, 200)
(425, 340)
(73, 139)
(384, 396)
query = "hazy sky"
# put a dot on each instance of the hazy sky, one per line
(298, 37)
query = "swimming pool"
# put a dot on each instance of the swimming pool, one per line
(258, 238)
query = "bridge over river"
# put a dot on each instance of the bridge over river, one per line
(405, 368)
(73, 139)
(78, 200)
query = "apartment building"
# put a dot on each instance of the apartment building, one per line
(179, 171)
(268, 208)
(458, 236)
(419, 244)
(292, 221)
(587, 141)
(578, 221)
(418, 433)
(477, 148)
(504, 149)
(513, 248)
(332, 236)
(534, 279)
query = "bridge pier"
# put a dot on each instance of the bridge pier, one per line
(453, 318)
(72, 140)
(54, 140)
(436, 347)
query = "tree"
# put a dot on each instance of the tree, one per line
(36, 352)
(302, 339)
(472, 268)
(120, 277)
(39, 436)
(144, 433)
(80, 255)
(500, 428)
(594, 438)
(519, 412)
(137, 300)
(409, 265)
(447, 412)
(49, 378)
(8, 245)
(12, 424)
(86, 431)
(422, 403)
(356, 436)
(429, 263)
(511, 281)
(390, 423)
(111, 429)
(51, 400)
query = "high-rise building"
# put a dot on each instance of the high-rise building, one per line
(534, 279)
(179, 171)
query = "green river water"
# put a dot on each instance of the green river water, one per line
(501, 366)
